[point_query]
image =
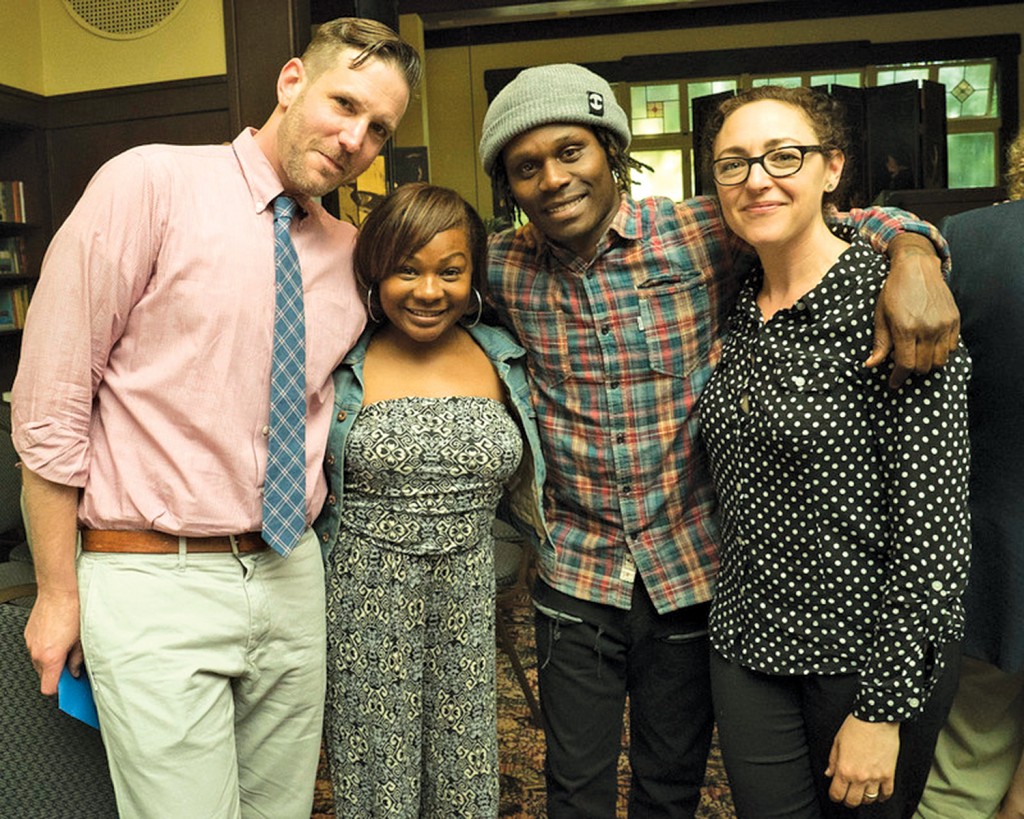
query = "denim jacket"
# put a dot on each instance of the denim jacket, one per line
(522, 505)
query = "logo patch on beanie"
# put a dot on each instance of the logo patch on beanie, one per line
(596, 102)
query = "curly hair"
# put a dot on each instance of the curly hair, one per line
(825, 114)
(1015, 167)
(619, 162)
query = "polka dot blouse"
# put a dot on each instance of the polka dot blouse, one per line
(844, 503)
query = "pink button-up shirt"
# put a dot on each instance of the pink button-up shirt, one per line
(145, 364)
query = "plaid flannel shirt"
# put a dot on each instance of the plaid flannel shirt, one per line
(620, 348)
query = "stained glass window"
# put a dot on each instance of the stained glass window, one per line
(655, 109)
(970, 90)
(972, 117)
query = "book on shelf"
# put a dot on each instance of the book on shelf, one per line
(12, 256)
(12, 201)
(13, 306)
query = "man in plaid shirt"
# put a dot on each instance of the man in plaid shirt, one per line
(621, 305)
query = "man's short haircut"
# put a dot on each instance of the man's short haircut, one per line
(370, 39)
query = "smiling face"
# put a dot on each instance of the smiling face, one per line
(334, 124)
(560, 177)
(764, 210)
(430, 290)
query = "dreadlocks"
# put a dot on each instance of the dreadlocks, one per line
(619, 162)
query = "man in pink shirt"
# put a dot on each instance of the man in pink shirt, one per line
(141, 412)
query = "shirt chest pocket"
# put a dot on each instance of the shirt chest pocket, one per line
(805, 400)
(675, 316)
(545, 334)
(806, 376)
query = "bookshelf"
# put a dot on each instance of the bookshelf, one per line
(24, 216)
(17, 272)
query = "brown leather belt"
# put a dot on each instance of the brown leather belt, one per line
(149, 542)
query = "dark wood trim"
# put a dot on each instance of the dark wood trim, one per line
(455, 6)
(19, 107)
(383, 11)
(1006, 48)
(137, 102)
(680, 65)
(580, 25)
(260, 36)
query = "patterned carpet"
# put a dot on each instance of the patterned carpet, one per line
(522, 747)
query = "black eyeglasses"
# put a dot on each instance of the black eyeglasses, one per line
(778, 162)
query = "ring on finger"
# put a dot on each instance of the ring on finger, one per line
(871, 795)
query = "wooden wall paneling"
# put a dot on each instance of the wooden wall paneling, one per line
(85, 130)
(261, 36)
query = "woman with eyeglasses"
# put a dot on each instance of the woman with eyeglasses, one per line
(843, 502)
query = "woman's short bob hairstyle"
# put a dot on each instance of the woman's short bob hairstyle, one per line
(824, 113)
(408, 219)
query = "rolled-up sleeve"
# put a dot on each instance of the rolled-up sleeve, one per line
(96, 268)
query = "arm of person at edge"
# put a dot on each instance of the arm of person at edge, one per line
(89, 273)
(916, 318)
(52, 631)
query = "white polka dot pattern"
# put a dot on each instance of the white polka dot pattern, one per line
(844, 503)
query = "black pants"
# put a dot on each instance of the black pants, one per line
(776, 733)
(590, 658)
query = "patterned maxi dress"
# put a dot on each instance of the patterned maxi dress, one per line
(411, 703)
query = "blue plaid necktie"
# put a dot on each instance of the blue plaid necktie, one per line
(284, 492)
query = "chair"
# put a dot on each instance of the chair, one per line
(51, 765)
(17, 582)
(511, 566)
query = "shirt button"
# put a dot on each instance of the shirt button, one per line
(937, 585)
(265, 431)
(627, 489)
(615, 385)
(330, 459)
(342, 415)
(913, 702)
(331, 500)
(325, 537)
(620, 438)
(605, 329)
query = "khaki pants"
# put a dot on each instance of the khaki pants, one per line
(208, 673)
(979, 747)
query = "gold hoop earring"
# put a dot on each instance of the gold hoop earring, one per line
(369, 305)
(479, 309)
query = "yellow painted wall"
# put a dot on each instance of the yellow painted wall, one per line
(414, 130)
(457, 73)
(190, 44)
(21, 58)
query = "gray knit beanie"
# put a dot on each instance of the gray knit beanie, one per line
(549, 94)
